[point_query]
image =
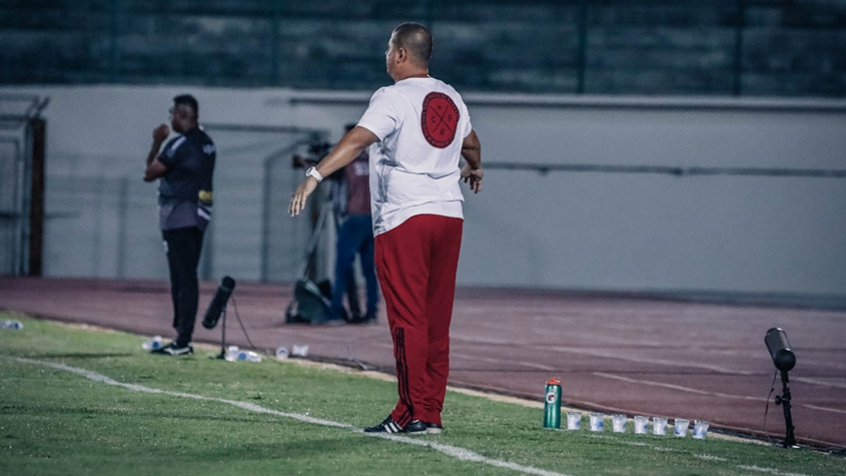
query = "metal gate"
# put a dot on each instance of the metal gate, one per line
(22, 145)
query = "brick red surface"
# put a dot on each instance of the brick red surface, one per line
(612, 353)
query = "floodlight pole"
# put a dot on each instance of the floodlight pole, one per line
(784, 401)
(223, 337)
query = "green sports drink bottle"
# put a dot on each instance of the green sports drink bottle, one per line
(552, 404)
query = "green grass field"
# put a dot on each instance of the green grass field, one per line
(83, 401)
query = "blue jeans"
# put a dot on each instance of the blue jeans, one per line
(355, 236)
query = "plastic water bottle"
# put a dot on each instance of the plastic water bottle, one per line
(153, 344)
(247, 356)
(232, 353)
(552, 404)
(14, 325)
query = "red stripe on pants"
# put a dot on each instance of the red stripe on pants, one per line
(416, 263)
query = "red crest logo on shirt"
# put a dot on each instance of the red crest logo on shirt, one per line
(439, 120)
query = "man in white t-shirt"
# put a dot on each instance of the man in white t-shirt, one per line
(417, 130)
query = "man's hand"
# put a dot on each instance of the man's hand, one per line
(473, 177)
(155, 169)
(298, 199)
(160, 133)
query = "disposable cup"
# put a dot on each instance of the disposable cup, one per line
(680, 427)
(299, 350)
(574, 420)
(618, 423)
(641, 425)
(282, 353)
(659, 426)
(596, 421)
(700, 429)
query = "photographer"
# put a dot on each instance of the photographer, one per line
(351, 193)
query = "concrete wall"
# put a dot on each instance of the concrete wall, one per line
(574, 230)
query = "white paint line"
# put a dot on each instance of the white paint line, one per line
(704, 457)
(824, 409)
(710, 458)
(461, 454)
(490, 360)
(705, 392)
(820, 382)
(502, 362)
(644, 360)
(677, 387)
(767, 470)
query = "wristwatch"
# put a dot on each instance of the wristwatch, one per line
(312, 172)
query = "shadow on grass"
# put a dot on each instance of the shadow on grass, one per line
(82, 355)
(133, 411)
(301, 451)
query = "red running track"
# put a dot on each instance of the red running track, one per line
(613, 353)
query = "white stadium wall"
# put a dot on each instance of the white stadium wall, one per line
(592, 230)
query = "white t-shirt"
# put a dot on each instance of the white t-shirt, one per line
(421, 124)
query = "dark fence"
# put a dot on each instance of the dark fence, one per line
(641, 47)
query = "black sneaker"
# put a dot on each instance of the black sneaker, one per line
(177, 351)
(415, 427)
(388, 425)
(434, 429)
(174, 350)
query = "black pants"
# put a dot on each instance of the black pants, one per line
(183, 255)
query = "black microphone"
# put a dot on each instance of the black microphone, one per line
(218, 304)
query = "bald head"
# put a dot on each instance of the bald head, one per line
(417, 40)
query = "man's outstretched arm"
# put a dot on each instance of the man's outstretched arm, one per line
(344, 152)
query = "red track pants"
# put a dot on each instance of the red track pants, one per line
(416, 264)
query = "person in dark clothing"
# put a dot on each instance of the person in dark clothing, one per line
(355, 236)
(185, 166)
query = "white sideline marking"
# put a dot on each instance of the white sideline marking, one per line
(711, 458)
(768, 470)
(461, 454)
(704, 457)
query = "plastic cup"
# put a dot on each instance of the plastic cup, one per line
(281, 353)
(574, 420)
(680, 427)
(641, 425)
(700, 429)
(659, 426)
(618, 423)
(596, 421)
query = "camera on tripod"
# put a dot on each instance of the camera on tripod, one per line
(315, 152)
